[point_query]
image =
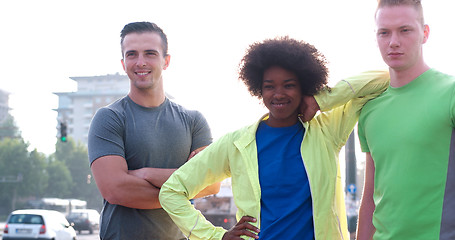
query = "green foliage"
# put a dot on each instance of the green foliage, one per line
(30, 175)
(75, 157)
(59, 184)
(8, 128)
(22, 173)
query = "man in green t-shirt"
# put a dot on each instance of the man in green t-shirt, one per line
(408, 136)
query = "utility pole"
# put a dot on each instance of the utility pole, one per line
(351, 186)
(351, 166)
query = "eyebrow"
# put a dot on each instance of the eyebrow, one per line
(286, 81)
(152, 50)
(130, 51)
(147, 51)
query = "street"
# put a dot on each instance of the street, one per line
(85, 235)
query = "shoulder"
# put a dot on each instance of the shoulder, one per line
(191, 113)
(114, 110)
(440, 78)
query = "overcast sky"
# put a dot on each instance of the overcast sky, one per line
(46, 42)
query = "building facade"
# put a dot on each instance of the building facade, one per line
(76, 109)
(4, 105)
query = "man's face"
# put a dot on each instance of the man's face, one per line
(282, 95)
(143, 59)
(400, 36)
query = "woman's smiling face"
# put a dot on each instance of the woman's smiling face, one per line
(282, 94)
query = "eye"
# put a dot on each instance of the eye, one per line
(382, 33)
(130, 54)
(290, 85)
(151, 53)
(405, 30)
(267, 87)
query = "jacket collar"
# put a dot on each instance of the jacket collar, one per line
(249, 136)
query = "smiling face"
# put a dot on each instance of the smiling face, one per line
(143, 60)
(282, 95)
(400, 36)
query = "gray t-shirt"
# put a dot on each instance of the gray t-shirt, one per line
(160, 137)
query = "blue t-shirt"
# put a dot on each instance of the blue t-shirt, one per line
(286, 205)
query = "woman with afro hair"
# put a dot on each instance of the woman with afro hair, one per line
(284, 168)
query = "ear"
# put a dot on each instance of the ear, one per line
(167, 60)
(426, 33)
(123, 64)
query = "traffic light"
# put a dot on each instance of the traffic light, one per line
(63, 131)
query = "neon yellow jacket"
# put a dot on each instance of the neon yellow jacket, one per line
(235, 155)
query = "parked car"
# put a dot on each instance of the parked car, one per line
(84, 219)
(38, 224)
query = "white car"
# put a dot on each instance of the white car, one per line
(38, 224)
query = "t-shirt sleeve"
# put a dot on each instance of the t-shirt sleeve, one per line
(105, 135)
(452, 106)
(202, 136)
(361, 132)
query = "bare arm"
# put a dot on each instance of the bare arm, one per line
(117, 186)
(365, 229)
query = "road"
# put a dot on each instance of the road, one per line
(85, 235)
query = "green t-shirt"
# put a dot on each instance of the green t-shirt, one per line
(408, 131)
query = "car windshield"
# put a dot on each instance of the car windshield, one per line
(26, 219)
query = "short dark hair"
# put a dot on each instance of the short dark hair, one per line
(417, 4)
(299, 57)
(141, 27)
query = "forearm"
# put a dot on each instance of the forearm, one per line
(366, 85)
(175, 201)
(135, 193)
(155, 176)
(365, 228)
(119, 187)
(210, 190)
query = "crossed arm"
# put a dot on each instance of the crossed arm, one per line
(134, 188)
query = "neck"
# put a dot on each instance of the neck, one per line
(399, 78)
(147, 97)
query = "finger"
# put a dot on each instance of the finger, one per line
(243, 226)
(247, 233)
(247, 219)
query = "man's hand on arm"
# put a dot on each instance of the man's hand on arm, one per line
(308, 108)
(117, 186)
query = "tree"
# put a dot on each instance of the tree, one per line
(8, 128)
(59, 183)
(75, 157)
(23, 174)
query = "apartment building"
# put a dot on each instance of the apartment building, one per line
(76, 109)
(4, 105)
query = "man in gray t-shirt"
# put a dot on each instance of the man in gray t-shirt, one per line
(137, 142)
